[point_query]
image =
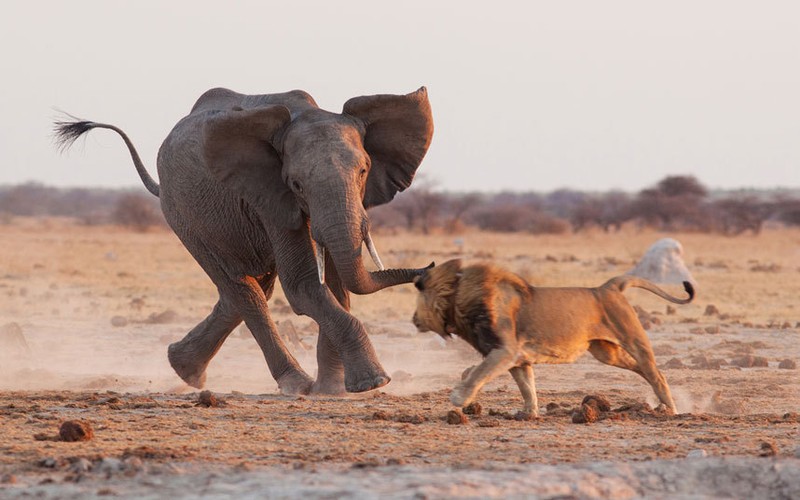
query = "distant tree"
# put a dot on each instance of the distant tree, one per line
(420, 205)
(735, 215)
(606, 210)
(137, 211)
(456, 206)
(676, 202)
(681, 185)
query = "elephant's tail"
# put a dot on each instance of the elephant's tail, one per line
(67, 132)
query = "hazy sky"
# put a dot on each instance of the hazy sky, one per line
(525, 95)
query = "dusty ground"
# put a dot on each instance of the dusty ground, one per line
(66, 286)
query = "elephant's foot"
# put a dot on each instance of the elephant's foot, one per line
(366, 380)
(187, 367)
(295, 383)
(329, 384)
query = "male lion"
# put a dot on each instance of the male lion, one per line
(514, 325)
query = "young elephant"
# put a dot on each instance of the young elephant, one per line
(515, 325)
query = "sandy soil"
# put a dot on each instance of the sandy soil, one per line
(65, 287)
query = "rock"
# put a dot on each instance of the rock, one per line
(787, 364)
(168, 316)
(711, 310)
(674, 363)
(767, 449)
(750, 361)
(75, 430)
(663, 263)
(455, 417)
(8, 479)
(119, 321)
(381, 415)
(473, 408)
(600, 403)
(110, 465)
(489, 422)
(670, 310)
(207, 399)
(586, 414)
(712, 329)
(698, 453)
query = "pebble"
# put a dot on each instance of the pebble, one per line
(699, 453)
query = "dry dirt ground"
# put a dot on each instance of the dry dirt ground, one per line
(87, 312)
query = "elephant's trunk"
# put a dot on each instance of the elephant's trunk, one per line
(343, 244)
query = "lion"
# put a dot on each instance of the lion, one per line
(515, 325)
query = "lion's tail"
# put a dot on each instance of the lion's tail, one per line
(623, 282)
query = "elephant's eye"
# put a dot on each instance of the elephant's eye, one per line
(297, 187)
(363, 173)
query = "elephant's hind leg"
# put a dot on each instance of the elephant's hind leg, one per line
(190, 356)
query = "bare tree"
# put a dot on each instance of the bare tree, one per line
(138, 212)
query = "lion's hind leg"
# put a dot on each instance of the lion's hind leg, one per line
(639, 360)
(496, 362)
(523, 376)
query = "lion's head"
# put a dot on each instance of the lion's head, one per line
(437, 287)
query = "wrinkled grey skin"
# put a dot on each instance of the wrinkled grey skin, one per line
(248, 181)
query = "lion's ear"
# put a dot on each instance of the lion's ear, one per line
(450, 268)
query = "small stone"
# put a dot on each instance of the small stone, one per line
(456, 417)
(8, 479)
(473, 408)
(712, 329)
(207, 399)
(381, 415)
(119, 321)
(674, 363)
(600, 403)
(787, 364)
(767, 449)
(670, 310)
(711, 310)
(75, 430)
(586, 414)
(698, 453)
(489, 422)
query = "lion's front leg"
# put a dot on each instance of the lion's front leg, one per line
(496, 362)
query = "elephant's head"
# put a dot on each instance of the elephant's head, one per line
(297, 163)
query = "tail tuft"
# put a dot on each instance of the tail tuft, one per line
(689, 289)
(65, 133)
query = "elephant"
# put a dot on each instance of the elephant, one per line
(264, 186)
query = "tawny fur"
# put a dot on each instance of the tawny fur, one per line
(515, 325)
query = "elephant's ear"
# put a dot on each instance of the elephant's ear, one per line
(238, 150)
(399, 129)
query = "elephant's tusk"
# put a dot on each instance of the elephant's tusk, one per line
(319, 253)
(373, 252)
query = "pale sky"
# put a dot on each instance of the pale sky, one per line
(527, 96)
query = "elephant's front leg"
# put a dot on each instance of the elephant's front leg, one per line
(339, 331)
(330, 370)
